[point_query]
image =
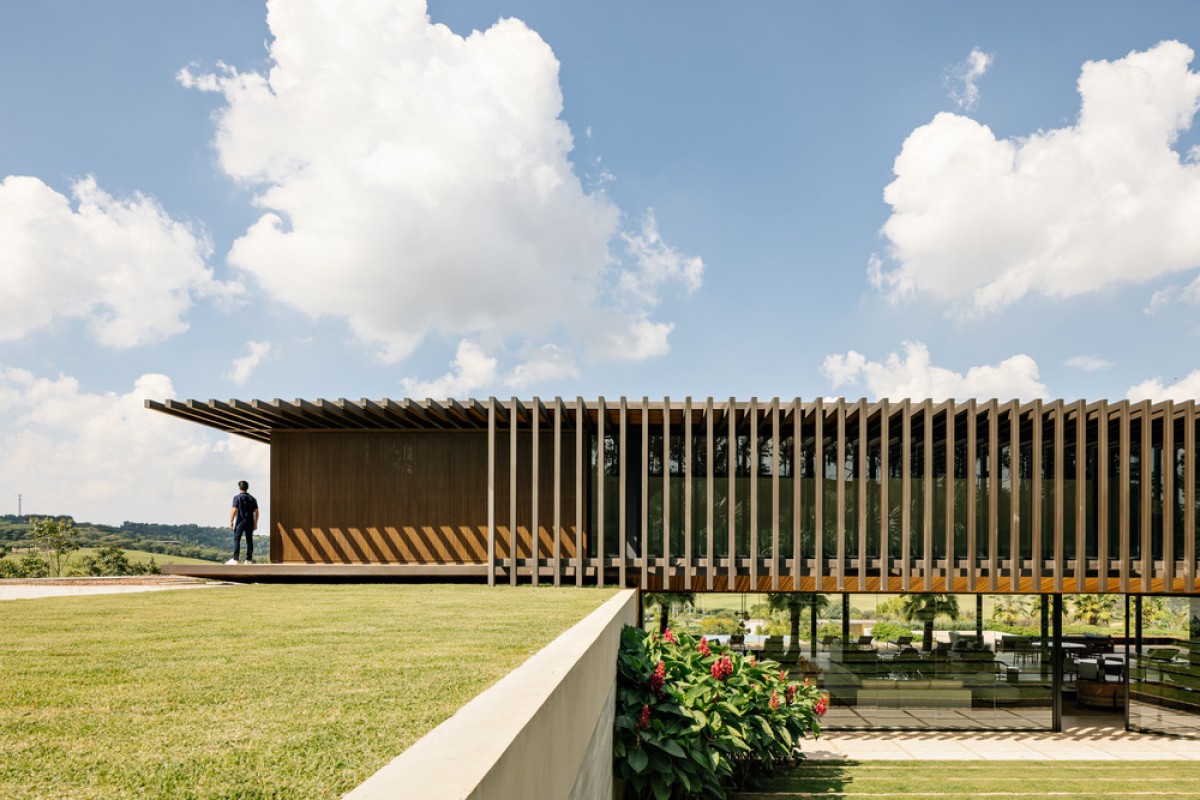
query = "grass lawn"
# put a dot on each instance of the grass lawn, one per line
(968, 780)
(247, 692)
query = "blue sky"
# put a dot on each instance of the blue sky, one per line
(869, 199)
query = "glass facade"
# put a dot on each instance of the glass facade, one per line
(1164, 667)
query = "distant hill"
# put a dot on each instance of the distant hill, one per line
(188, 541)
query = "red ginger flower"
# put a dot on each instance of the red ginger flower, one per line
(644, 719)
(783, 674)
(790, 694)
(702, 648)
(774, 700)
(722, 668)
(822, 706)
(658, 678)
(669, 637)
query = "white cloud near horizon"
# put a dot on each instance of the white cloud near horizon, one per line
(1187, 388)
(1088, 363)
(914, 375)
(125, 267)
(981, 222)
(963, 78)
(415, 182)
(104, 458)
(240, 369)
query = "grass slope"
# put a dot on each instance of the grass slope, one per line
(250, 692)
(974, 780)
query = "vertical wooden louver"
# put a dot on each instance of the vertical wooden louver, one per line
(977, 496)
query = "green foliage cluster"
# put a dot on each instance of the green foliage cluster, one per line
(694, 721)
(887, 631)
(890, 609)
(29, 565)
(719, 625)
(56, 541)
(188, 541)
(110, 560)
(829, 629)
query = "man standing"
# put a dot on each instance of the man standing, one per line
(243, 518)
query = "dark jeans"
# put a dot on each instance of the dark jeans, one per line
(246, 528)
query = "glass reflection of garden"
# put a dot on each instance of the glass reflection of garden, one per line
(962, 661)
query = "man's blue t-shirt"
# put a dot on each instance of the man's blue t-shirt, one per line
(246, 505)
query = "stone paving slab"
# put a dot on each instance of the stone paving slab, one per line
(69, 587)
(1089, 743)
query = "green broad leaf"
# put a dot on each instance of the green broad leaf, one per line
(638, 760)
(786, 736)
(672, 747)
(714, 758)
(662, 791)
(683, 778)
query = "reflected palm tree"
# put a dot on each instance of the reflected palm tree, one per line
(925, 608)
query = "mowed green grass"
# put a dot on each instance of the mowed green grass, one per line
(975, 780)
(248, 692)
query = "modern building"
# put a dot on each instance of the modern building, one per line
(1042, 499)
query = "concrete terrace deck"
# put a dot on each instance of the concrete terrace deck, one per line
(340, 573)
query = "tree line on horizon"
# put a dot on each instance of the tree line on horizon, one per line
(186, 540)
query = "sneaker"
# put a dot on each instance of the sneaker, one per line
(247, 562)
(231, 562)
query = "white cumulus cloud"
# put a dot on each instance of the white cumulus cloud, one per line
(982, 222)
(415, 181)
(240, 369)
(103, 457)
(471, 369)
(549, 363)
(1187, 388)
(656, 263)
(963, 78)
(123, 266)
(914, 375)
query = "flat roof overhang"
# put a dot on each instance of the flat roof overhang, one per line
(257, 419)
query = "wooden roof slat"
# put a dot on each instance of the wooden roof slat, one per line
(433, 410)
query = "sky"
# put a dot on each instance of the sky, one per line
(524, 197)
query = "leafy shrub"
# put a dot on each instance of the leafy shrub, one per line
(887, 631)
(692, 721)
(1023, 630)
(712, 626)
(829, 629)
(29, 565)
(111, 560)
(774, 628)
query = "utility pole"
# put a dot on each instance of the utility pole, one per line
(20, 498)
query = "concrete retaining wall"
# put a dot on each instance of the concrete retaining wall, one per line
(544, 730)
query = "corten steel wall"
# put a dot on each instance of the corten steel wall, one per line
(972, 497)
(388, 497)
